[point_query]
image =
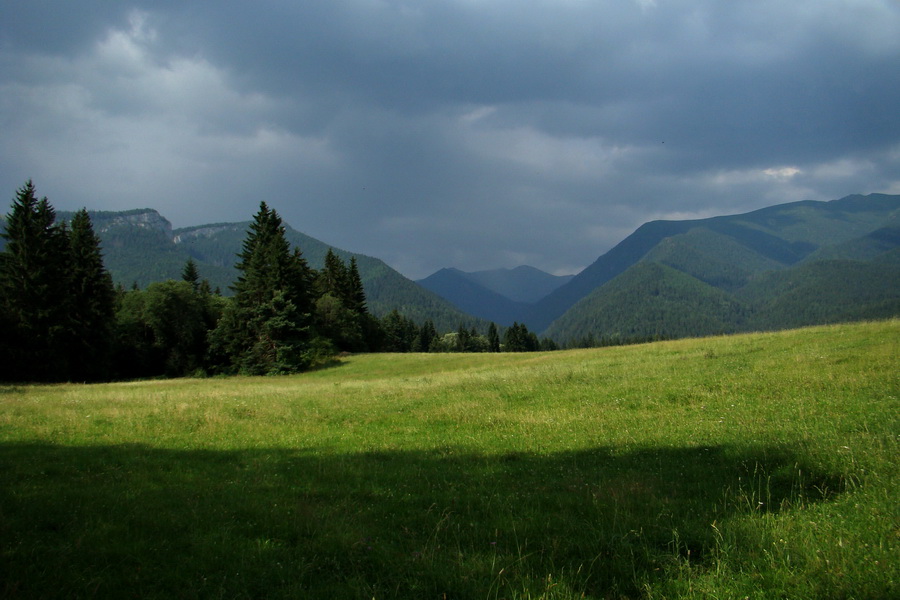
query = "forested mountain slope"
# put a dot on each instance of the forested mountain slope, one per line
(727, 251)
(786, 266)
(649, 300)
(782, 266)
(503, 296)
(519, 284)
(866, 247)
(473, 298)
(386, 289)
(823, 291)
(141, 247)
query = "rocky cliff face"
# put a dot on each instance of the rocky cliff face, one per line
(205, 231)
(146, 218)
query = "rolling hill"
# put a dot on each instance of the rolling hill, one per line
(499, 295)
(725, 251)
(472, 297)
(141, 247)
(823, 291)
(650, 300)
(520, 284)
(784, 266)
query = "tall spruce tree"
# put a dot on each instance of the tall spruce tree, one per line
(90, 303)
(356, 301)
(427, 334)
(334, 278)
(493, 338)
(399, 333)
(267, 326)
(191, 274)
(34, 269)
(518, 339)
(356, 292)
(341, 312)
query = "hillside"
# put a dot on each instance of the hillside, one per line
(867, 247)
(823, 291)
(712, 257)
(499, 295)
(141, 247)
(781, 266)
(386, 289)
(473, 298)
(520, 284)
(650, 300)
(725, 251)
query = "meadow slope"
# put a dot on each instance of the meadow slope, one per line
(757, 466)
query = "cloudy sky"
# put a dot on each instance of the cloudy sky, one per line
(469, 133)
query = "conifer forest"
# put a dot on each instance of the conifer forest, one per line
(63, 318)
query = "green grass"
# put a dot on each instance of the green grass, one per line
(753, 466)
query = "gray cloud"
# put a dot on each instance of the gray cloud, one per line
(468, 133)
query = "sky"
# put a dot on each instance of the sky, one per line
(475, 134)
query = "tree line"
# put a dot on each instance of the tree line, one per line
(63, 319)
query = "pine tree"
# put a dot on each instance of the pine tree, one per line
(191, 274)
(427, 334)
(341, 313)
(334, 278)
(357, 294)
(493, 339)
(463, 339)
(518, 339)
(400, 333)
(33, 276)
(90, 302)
(267, 326)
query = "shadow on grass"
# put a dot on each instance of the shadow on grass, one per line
(329, 363)
(117, 521)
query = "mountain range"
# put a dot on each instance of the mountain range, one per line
(786, 265)
(782, 266)
(141, 247)
(503, 296)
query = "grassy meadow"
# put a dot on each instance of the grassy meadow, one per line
(751, 466)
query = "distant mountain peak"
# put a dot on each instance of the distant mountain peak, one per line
(516, 286)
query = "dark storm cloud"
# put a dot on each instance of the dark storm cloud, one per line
(468, 133)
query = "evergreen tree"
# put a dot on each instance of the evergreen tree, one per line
(518, 339)
(463, 339)
(493, 339)
(34, 269)
(427, 334)
(340, 325)
(356, 292)
(370, 326)
(267, 265)
(548, 344)
(512, 338)
(90, 302)
(400, 333)
(267, 326)
(341, 312)
(334, 279)
(191, 274)
(336, 320)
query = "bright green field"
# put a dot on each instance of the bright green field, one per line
(757, 466)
